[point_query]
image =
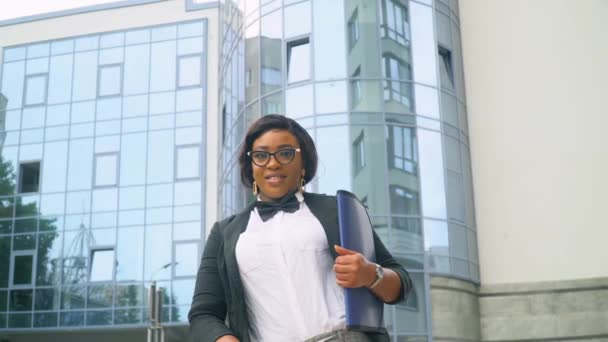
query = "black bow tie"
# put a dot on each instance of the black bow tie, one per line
(289, 204)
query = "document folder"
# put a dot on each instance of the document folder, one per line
(364, 311)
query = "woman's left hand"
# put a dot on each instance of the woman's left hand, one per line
(353, 269)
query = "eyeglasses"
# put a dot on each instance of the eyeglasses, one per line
(283, 156)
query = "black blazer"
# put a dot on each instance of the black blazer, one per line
(219, 292)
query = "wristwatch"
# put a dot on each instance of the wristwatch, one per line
(379, 276)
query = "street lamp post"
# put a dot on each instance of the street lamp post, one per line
(156, 332)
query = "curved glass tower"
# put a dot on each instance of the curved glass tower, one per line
(379, 86)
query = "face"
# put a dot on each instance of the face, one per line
(274, 180)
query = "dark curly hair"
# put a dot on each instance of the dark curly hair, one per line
(271, 122)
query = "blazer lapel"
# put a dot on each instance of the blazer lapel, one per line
(325, 210)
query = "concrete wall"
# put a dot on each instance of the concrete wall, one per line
(455, 310)
(536, 86)
(132, 17)
(575, 310)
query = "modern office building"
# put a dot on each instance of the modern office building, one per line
(120, 126)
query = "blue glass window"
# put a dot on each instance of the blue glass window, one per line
(35, 89)
(110, 80)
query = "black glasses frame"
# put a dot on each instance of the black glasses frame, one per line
(273, 154)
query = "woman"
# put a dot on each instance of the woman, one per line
(274, 270)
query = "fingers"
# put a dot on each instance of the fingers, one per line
(343, 269)
(343, 251)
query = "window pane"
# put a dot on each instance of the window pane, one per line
(160, 156)
(60, 79)
(29, 177)
(85, 76)
(105, 169)
(22, 268)
(130, 253)
(297, 19)
(298, 61)
(423, 46)
(158, 259)
(162, 76)
(13, 83)
(189, 71)
(36, 90)
(102, 264)
(188, 162)
(110, 80)
(186, 259)
(20, 300)
(137, 65)
(133, 165)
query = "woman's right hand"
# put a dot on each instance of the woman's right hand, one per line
(227, 338)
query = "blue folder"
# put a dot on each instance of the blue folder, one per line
(364, 311)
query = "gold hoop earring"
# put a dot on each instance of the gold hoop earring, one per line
(302, 185)
(255, 188)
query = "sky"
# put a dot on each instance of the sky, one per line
(11, 9)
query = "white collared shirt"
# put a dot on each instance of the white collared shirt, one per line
(287, 273)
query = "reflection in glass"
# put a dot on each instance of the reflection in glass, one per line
(12, 83)
(331, 97)
(423, 44)
(47, 299)
(186, 259)
(29, 177)
(129, 295)
(436, 237)
(402, 152)
(329, 39)
(71, 318)
(45, 319)
(297, 19)
(431, 174)
(411, 314)
(129, 254)
(158, 236)
(394, 25)
(273, 104)
(23, 267)
(48, 261)
(334, 163)
(16, 320)
(272, 65)
(395, 68)
(20, 300)
(299, 101)
(100, 296)
(101, 317)
(127, 316)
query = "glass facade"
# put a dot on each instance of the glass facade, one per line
(101, 176)
(379, 86)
